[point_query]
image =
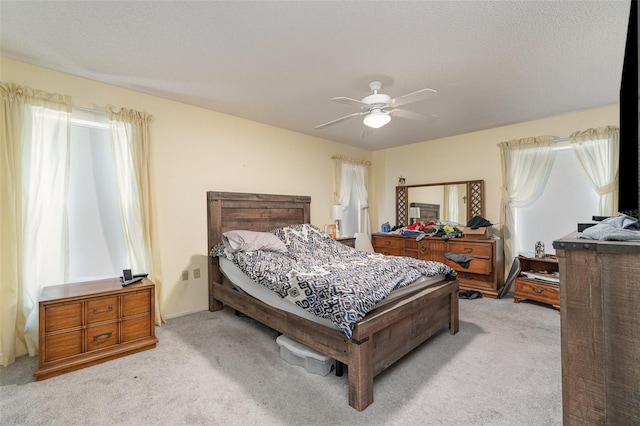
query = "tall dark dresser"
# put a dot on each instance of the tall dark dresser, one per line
(600, 331)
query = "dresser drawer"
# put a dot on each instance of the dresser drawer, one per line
(136, 303)
(389, 251)
(390, 246)
(102, 309)
(476, 266)
(62, 345)
(63, 316)
(477, 282)
(102, 336)
(136, 328)
(471, 249)
(387, 242)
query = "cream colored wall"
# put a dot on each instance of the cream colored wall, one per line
(469, 156)
(194, 150)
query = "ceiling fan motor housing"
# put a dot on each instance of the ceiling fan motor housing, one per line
(377, 100)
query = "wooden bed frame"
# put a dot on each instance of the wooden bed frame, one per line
(385, 334)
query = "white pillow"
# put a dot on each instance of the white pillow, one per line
(235, 241)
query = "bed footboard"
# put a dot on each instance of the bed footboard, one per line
(384, 336)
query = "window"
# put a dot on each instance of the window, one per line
(568, 198)
(96, 243)
(351, 213)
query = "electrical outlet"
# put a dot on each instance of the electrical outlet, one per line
(196, 273)
(185, 275)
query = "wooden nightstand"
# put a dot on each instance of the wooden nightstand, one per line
(347, 241)
(545, 289)
(83, 324)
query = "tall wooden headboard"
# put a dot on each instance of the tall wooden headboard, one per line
(228, 211)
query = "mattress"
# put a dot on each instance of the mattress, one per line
(242, 282)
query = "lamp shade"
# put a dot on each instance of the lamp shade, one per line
(414, 212)
(376, 119)
(336, 212)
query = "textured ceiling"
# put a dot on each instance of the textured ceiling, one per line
(277, 62)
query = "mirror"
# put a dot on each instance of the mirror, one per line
(446, 201)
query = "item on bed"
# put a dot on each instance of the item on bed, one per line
(382, 337)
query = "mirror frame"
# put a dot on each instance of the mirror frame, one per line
(475, 195)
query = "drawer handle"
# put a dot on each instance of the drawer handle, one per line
(386, 243)
(468, 250)
(538, 289)
(101, 338)
(102, 311)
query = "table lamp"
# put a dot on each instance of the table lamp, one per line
(336, 215)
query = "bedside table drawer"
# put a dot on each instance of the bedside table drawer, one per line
(527, 289)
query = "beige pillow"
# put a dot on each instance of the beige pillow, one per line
(236, 241)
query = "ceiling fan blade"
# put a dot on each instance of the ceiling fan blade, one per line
(403, 113)
(337, 120)
(350, 101)
(420, 95)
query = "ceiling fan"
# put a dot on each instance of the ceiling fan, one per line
(378, 108)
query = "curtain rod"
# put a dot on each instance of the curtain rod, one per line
(351, 160)
(93, 111)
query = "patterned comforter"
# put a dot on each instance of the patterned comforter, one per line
(327, 278)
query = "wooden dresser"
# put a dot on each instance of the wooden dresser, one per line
(83, 324)
(485, 272)
(600, 332)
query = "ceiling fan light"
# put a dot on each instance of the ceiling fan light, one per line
(376, 119)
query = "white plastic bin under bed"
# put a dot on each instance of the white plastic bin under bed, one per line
(298, 354)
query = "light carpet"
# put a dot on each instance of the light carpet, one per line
(216, 368)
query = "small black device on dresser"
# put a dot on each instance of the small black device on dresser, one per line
(129, 278)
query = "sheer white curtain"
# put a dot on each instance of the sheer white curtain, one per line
(353, 173)
(598, 151)
(130, 146)
(451, 207)
(525, 165)
(34, 178)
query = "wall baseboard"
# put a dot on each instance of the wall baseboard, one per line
(181, 314)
